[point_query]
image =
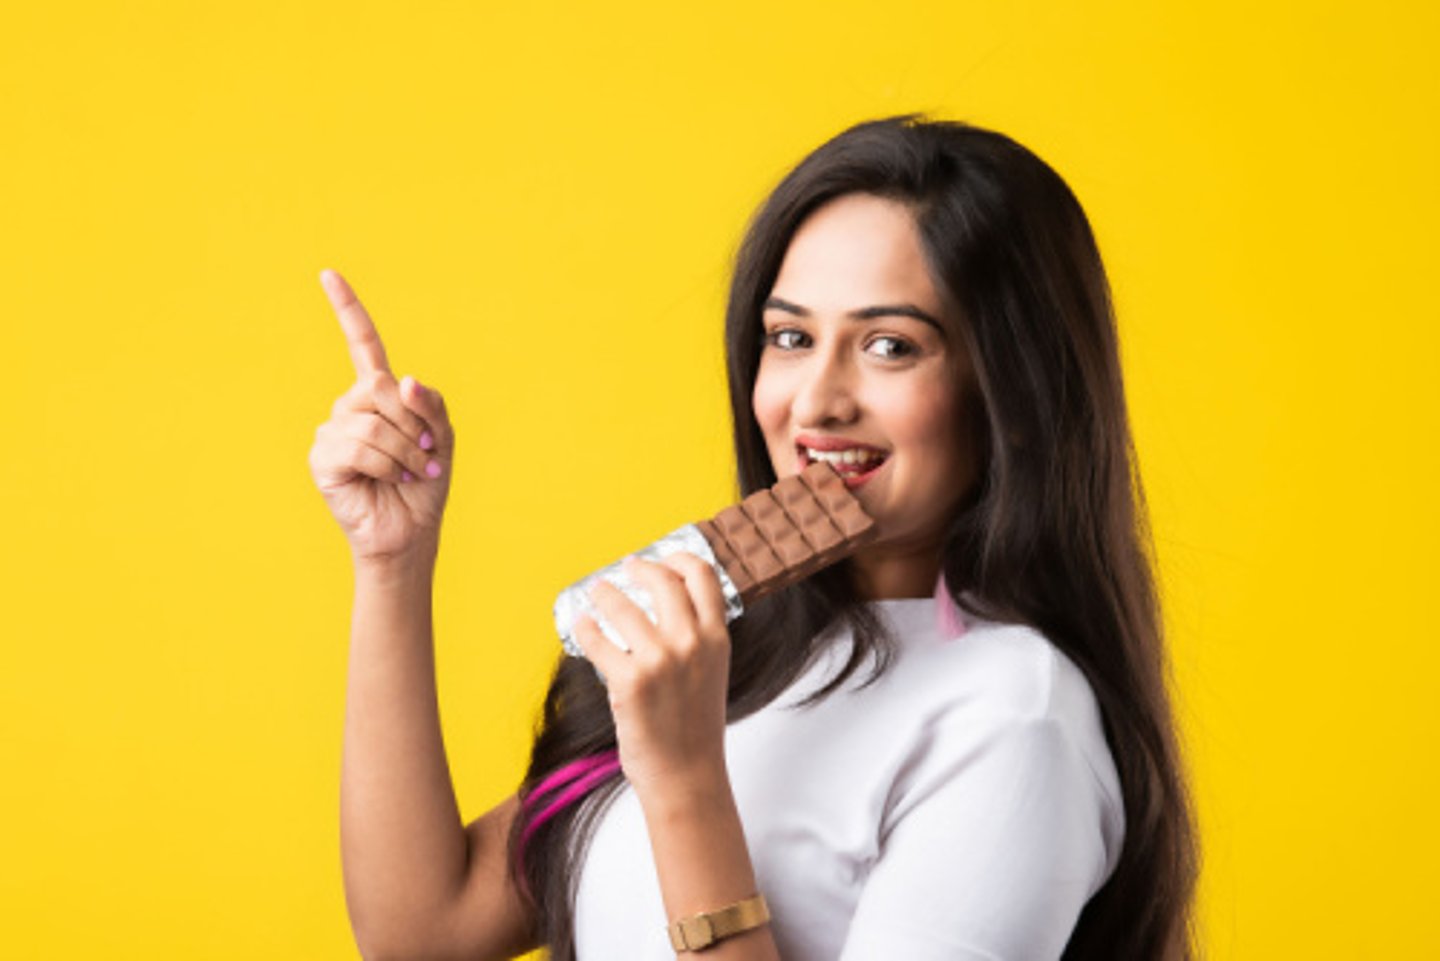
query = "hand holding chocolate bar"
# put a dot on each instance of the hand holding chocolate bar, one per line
(768, 541)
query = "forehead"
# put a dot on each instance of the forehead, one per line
(856, 251)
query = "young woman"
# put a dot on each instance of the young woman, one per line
(956, 744)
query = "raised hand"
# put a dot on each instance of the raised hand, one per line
(383, 459)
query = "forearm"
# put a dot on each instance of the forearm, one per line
(402, 841)
(703, 862)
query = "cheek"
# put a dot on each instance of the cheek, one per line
(768, 401)
(924, 419)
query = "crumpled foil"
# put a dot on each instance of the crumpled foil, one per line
(574, 601)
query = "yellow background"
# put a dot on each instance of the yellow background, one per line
(539, 205)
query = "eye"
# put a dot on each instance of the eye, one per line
(784, 338)
(898, 349)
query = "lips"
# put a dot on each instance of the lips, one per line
(853, 475)
(853, 481)
(817, 442)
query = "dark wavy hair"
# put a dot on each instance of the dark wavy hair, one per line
(1053, 534)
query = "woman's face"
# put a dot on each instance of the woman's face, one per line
(862, 362)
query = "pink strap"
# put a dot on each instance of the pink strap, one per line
(949, 619)
(574, 792)
(583, 775)
(566, 773)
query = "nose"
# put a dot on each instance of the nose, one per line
(826, 392)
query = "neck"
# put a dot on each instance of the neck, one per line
(895, 573)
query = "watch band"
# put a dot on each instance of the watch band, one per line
(699, 931)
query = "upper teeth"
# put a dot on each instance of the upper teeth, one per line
(852, 456)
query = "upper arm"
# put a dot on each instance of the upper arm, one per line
(489, 919)
(990, 855)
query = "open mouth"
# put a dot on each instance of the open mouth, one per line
(855, 465)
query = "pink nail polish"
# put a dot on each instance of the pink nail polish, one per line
(432, 469)
(426, 441)
(406, 477)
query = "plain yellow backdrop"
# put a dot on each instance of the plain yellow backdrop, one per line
(539, 205)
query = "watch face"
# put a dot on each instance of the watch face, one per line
(692, 934)
(700, 930)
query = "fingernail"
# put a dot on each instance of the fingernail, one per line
(406, 477)
(432, 469)
(426, 441)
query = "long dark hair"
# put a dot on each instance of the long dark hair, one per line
(1054, 534)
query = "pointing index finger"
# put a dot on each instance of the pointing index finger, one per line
(366, 351)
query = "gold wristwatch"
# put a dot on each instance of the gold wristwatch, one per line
(699, 931)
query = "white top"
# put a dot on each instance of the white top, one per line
(963, 807)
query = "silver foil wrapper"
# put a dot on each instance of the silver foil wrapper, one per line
(574, 600)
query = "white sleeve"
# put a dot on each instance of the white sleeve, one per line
(992, 845)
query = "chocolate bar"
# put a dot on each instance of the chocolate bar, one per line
(768, 541)
(787, 532)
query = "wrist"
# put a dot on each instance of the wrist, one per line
(703, 862)
(413, 566)
(703, 789)
(702, 929)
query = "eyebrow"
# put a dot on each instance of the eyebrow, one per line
(864, 313)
